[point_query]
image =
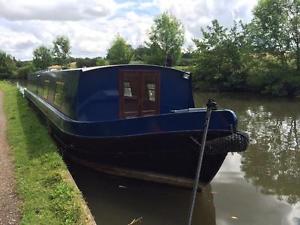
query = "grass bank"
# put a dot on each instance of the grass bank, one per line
(44, 184)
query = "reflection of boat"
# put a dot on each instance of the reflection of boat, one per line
(137, 117)
(108, 196)
(205, 212)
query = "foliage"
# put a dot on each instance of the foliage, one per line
(120, 52)
(43, 181)
(267, 76)
(276, 29)
(165, 40)
(85, 62)
(89, 62)
(219, 57)
(261, 56)
(101, 62)
(25, 70)
(42, 57)
(155, 55)
(187, 57)
(140, 53)
(7, 66)
(274, 36)
(61, 50)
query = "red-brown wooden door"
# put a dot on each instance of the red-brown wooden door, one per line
(139, 93)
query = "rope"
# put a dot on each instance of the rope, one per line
(211, 105)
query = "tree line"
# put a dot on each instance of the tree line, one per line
(260, 56)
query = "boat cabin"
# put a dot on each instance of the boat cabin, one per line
(113, 92)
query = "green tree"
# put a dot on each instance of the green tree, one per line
(274, 38)
(269, 29)
(166, 39)
(89, 62)
(25, 70)
(85, 62)
(219, 57)
(275, 29)
(120, 52)
(61, 50)
(140, 53)
(293, 12)
(42, 58)
(187, 57)
(7, 66)
(101, 62)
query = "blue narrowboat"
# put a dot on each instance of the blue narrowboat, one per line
(136, 117)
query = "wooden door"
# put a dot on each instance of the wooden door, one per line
(150, 93)
(139, 93)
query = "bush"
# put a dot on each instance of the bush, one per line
(101, 62)
(7, 66)
(268, 76)
(24, 71)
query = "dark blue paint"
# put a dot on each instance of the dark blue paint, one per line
(92, 105)
(98, 95)
(221, 120)
(98, 92)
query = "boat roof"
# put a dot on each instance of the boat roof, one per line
(85, 69)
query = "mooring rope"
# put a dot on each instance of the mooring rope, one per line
(211, 105)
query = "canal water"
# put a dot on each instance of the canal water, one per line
(258, 187)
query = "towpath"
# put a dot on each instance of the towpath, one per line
(9, 202)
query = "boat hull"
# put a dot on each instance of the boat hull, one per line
(169, 154)
(163, 149)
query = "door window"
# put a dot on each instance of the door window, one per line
(150, 92)
(150, 104)
(127, 89)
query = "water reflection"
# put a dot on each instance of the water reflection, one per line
(273, 160)
(117, 201)
(237, 202)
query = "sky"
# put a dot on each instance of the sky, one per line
(92, 25)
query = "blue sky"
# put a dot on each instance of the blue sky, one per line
(91, 25)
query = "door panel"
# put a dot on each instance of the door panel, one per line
(139, 93)
(150, 85)
(130, 92)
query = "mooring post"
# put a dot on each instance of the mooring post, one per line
(211, 105)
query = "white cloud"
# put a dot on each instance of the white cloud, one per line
(91, 25)
(196, 14)
(18, 44)
(55, 10)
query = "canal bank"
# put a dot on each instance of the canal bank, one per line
(43, 182)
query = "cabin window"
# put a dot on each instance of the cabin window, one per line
(59, 93)
(46, 89)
